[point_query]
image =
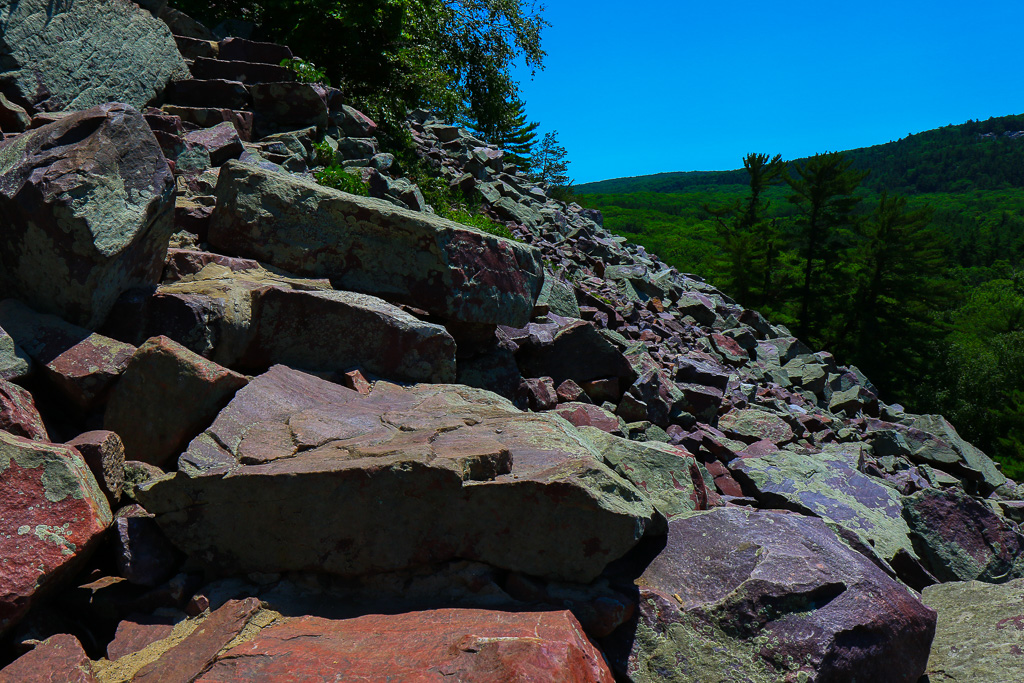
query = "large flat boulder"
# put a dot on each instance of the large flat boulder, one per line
(352, 484)
(87, 204)
(75, 55)
(979, 637)
(445, 644)
(52, 515)
(738, 595)
(370, 246)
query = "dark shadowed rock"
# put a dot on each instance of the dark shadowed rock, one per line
(445, 644)
(80, 364)
(104, 454)
(576, 351)
(370, 246)
(979, 637)
(144, 556)
(167, 396)
(962, 539)
(58, 658)
(281, 107)
(18, 413)
(762, 596)
(52, 513)
(352, 484)
(72, 56)
(15, 364)
(87, 205)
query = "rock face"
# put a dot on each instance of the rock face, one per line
(447, 644)
(52, 513)
(761, 596)
(979, 636)
(58, 658)
(77, 55)
(87, 204)
(329, 468)
(370, 246)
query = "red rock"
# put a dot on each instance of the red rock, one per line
(355, 381)
(104, 454)
(167, 396)
(80, 364)
(731, 351)
(538, 393)
(58, 659)
(221, 142)
(136, 632)
(52, 515)
(447, 644)
(18, 414)
(601, 390)
(182, 262)
(588, 415)
(189, 658)
(570, 392)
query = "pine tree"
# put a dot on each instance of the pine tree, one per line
(515, 135)
(549, 164)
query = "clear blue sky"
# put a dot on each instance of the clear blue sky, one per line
(644, 87)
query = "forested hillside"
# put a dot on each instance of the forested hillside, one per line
(914, 273)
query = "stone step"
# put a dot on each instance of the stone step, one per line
(241, 50)
(246, 72)
(208, 117)
(215, 92)
(193, 48)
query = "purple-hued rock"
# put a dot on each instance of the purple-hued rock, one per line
(104, 454)
(18, 413)
(221, 142)
(738, 595)
(62, 254)
(58, 658)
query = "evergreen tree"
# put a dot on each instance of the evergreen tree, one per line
(549, 164)
(823, 192)
(514, 135)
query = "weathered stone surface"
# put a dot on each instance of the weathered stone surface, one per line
(247, 72)
(370, 246)
(240, 50)
(183, 262)
(942, 446)
(669, 475)
(18, 414)
(80, 364)
(104, 454)
(144, 556)
(589, 415)
(282, 107)
(207, 117)
(138, 631)
(212, 93)
(961, 539)
(166, 397)
(576, 351)
(221, 142)
(13, 118)
(979, 637)
(52, 513)
(58, 658)
(87, 204)
(77, 55)
(15, 364)
(738, 595)
(829, 485)
(439, 467)
(752, 425)
(445, 644)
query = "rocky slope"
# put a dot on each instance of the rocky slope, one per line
(253, 428)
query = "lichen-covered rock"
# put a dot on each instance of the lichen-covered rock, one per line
(52, 514)
(738, 595)
(752, 425)
(370, 246)
(58, 658)
(446, 644)
(961, 539)
(352, 484)
(104, 454)
(18, 413)
(979, 637)
(15, 364)
(87, 206)
(167, 396)
(76, 55)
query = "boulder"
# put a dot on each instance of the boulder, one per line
(751, 425)
(738, 595)
(52, 516)
(979, 637)
(445, 644)
(576, 351)
(352, 484)
(367, 245)
(87, 204)
(282, 107)
(934, 440)
(18, 413)
(104, 454)
(962, 539)
(74, 56)
(221, 142)
(589, 415)
(167, 396)
(80, 364)
(15, 364)
(240, 50)
(58, 658)
(212, 93)
(144, 555)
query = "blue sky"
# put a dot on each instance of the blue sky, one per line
(644, 87)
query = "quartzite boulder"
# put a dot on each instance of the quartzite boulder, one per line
(167, 396)
(52, 514)
(76, 55)
(979, 637)
(438, 645)
(371, 246)
(353, 484)
(738, 595)
(87, 203)
(104, 454)
(576, 351)
(58, 658)
(15, 364)
(80, 364)
(18, 413)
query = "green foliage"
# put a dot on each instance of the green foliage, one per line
(549, 162)
(306, 72)
(440, 196)
(513, 134)
(339, 178)
(323, 154)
